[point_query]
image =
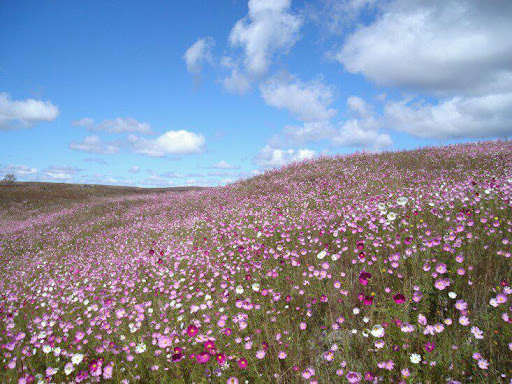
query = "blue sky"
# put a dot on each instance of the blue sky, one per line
(203, 93)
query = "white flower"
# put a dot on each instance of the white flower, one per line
(415, 358)
(452, 295)
(256, 287)
(140, 348)
(239, 289)
(47, 348)
(321, 255)
(56, 351)
(356, 310)
(391, 216)
(77, 358)
(402, 200)
(378, 331)
(494, 302)
(68, 368)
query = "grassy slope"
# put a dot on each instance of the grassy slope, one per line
(271, 228)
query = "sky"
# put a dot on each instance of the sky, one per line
(175, 93)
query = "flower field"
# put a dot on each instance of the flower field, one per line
(392, 267)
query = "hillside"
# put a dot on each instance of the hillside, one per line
(390, 267)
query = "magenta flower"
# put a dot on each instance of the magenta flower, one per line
(399, 298)
(242, 363)
(220, 358)
(364, 277)
(430, 346)
(192, 330)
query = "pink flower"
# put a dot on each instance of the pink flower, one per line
(203, 357)
(463, 320)
(107, 372)
(483, 364)
(354, 377)
(164, 342)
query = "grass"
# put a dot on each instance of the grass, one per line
(390, 267)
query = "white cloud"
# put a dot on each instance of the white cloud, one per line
(335, 16)
(457, 117)
(223, 165)
(436, 46)
(170, 143)
(268, 28)
(134, 169)
(94, 144)
(86, 122)
(199, 53)
(354, 133)
(306, 101)
(359, 107)
(117, 125)
(275, 157)
(15, 114)
(309, 131)
(20, 171)
(360, 131)
(237, 82)
(59, 173)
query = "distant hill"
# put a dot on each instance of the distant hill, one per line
(36, 194)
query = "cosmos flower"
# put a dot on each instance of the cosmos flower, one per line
(415, 358)
(192, 330)
(399, 298)
(242, 363)
(321, 254)
(378, 331)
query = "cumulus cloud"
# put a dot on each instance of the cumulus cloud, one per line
(436, 46)
(276, 157)
(20, 171)
(95, 160)
(268, 28)
(86, 122)
(362, 130)
(223, 165)
(59, 173)
(457, 117)
(309, 131)
(94, 144)
(354, 133)
(180, 142)
(198, 54)
(307, 101)
(16, 114)
(117, 125)
(237, 82)
(335, 16)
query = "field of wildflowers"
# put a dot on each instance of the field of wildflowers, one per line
(390, 267)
